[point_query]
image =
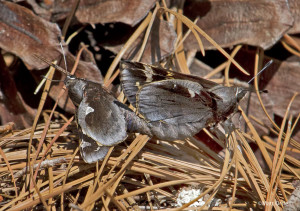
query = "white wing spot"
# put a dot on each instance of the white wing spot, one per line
(85, 144)
(89, 110)
(192, 93)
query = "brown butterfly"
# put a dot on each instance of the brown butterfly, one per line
(177, 105)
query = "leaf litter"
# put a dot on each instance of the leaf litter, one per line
(41, 166)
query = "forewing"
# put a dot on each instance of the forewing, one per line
(134, 75)
(175, 108)
(100, 118)
(90, 151)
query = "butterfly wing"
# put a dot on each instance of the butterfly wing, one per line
(100, 118)
(134, 75)
(89, 149)
(175, 108)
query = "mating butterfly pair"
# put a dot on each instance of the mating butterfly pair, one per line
(170, 106)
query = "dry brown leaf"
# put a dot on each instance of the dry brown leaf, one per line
(26, 34)
(282, 81)
(94, 11)
(126, 11)
(295, 10)
(259, 23)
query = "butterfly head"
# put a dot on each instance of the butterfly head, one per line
(76, 88)
(227, 100)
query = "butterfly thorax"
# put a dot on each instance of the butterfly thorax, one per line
(76, 88)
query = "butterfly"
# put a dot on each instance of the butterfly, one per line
(177, 105)
(102, 120)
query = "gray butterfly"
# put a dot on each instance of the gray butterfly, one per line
(174, 104)
(102, 120)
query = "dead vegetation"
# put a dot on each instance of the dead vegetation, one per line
(41, 165)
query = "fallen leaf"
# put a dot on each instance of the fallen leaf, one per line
(229, 22)
(25, 34)
(129, 12)
(294, 6)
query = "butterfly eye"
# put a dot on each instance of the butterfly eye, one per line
(240, 93)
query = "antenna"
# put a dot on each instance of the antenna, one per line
(46, 78)
(52, 64)
(63, 52)
(265, 67)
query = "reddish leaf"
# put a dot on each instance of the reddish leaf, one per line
(98, 11)
(295, 10)
(25, 34)
(126, 11)
(283, 82)
(230, 22)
